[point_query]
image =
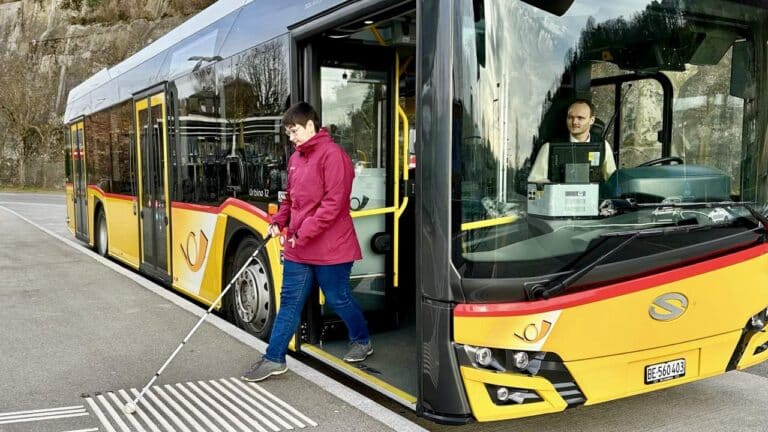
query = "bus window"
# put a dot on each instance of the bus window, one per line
(230, 139)
(634, 109)
(665, 104)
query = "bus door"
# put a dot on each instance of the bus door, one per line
(150, 112)
(80, 197)
(351, 89)
(354, 87)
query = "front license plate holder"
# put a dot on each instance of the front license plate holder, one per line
(665, 371)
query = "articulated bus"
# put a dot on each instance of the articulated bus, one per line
(489, 297)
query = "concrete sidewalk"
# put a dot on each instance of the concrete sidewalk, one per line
(77, 326)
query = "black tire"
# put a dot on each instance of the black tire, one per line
(101, 242)
(251, 299)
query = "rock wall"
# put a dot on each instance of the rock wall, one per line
(62, 42)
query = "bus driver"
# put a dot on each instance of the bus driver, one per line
(581, 117)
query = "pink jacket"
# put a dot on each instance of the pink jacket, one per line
(316, 206)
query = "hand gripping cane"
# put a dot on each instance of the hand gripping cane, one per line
(130, 407)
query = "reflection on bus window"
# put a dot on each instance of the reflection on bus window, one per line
(230, 140)
(670, 88)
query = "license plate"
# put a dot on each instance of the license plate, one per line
(664, 371)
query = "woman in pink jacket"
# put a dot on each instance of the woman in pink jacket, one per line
(320, 243)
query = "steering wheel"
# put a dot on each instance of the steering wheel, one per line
(661, 161)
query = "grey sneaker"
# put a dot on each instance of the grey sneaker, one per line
(264, 369)
(358, 352)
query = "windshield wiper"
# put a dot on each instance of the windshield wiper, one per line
(556, 286)
(760, 217)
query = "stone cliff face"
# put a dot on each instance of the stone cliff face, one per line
(58, 44)
(57, 36)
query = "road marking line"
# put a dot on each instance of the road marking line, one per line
(167, 411)
(127, 398)
(130, 418)
(245, 406)
(47, 410)
(120, 423)
(95, 408)
(207, 409)
(265, 401)
(145, 403)
(221, 409)
(276, 399)
(255, 402)
(85, 430)
(191, 407)
(48, 414)
(179, 409)
(34, 419)
(29, 204)
(232, 407)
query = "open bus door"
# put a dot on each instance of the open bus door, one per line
(154, 203)
(354, 86)
(80, 198)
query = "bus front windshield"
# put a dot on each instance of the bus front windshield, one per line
(614, 118)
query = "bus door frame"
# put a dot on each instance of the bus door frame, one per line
(152, 159)
(305, 86)
(314, 51)
(79, 178)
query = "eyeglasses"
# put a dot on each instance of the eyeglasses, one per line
(292, 131)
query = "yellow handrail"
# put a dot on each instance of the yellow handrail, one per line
(406, 131)
(468, 226)
(372, 212)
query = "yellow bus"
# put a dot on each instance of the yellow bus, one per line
(489, 296)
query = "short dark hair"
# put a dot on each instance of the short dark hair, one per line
(300, 114)
(585, 102)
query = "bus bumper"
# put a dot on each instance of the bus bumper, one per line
(756, 350)
(593, 380)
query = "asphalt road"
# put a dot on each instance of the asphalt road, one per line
(79, 333)
(736, 401)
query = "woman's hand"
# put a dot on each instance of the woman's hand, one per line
(273, 230)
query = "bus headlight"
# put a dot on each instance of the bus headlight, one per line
(759, 320)
(502, 393)
(520, 360)
(483, 356)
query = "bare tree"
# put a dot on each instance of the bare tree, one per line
(267, 70)
(257, 87)
(33, 130)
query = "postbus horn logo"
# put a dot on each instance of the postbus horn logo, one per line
(532, 333)
(194, 250)
(667, 307)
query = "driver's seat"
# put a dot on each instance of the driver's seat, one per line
(597, 131)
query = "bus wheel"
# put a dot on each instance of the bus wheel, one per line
(251, 297)
(101, 234)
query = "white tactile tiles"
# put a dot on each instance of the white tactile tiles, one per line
(224, 405)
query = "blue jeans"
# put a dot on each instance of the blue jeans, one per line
(298, 280)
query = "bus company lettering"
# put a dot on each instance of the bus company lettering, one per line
(533, 333)
(195, 250)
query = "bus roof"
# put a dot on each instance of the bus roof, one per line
(223, 29)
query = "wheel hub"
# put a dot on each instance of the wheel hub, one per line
(252, 295)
